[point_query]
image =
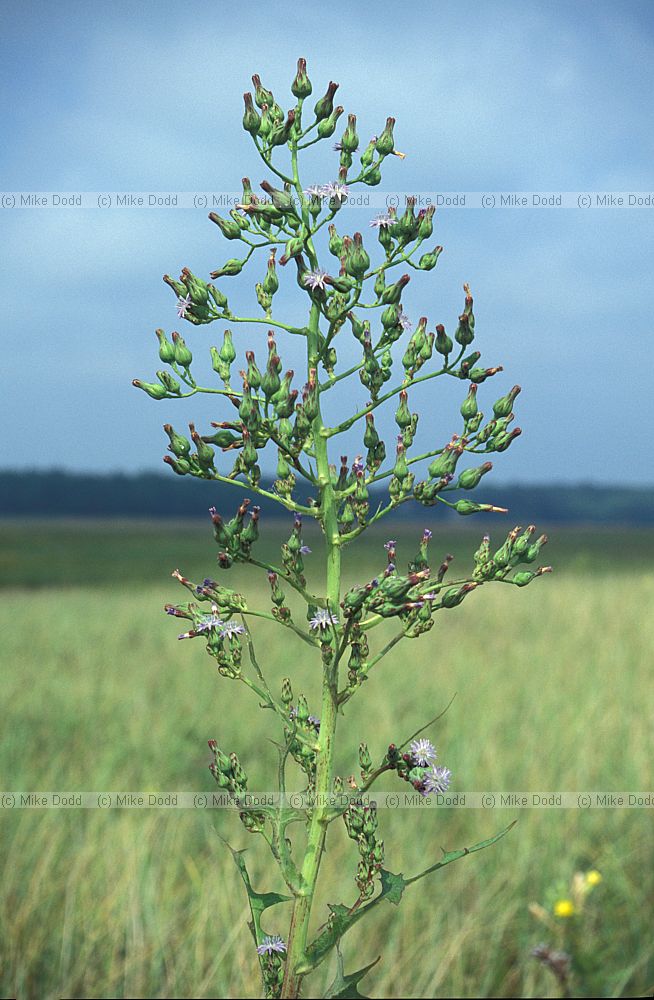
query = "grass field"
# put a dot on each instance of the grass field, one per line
(553, 693)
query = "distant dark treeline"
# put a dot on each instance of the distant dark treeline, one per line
(151, 495)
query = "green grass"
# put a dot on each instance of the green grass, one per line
(553, 692)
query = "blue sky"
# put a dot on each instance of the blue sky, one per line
(505, 96)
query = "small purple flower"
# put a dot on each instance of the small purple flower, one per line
(270, 944)
(335, 190)
(357, 465)
(322, 620)
(315, 191)
(426, 535)
(437, 781)
(305, 550)
(229, 629)
(315, 279)
(405, 322)
(423, 751)
(183, 305)
(314, 721)
(338, 146)
(382, 221)
(390, 545)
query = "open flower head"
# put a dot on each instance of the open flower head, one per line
(322, 620)
(315, 279)
(183, 306)
(436, 781)
(564, 908)
(271, 943)
(423, 752)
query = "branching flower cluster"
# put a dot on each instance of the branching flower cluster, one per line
(347, 296)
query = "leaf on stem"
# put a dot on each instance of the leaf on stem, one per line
(342, 918)
(346, 987)
(259, 901)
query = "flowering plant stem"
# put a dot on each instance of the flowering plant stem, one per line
(268, 411)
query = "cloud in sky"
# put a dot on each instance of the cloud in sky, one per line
(509, 96)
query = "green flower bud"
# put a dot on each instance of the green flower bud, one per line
(385, 142)
(261, 95)
(453, 597)
(287, 691)
(251, 117)
(166, 349)
(179, 466)
(281, 133)
(468, 507)
(368, 154)
(183, 356)
(472, 477)
(271, 281)
(179, 445)
(403, 414)
(219, 297)
(443, 342)
(463, 334)
(372, 178)
(426, 225)
(428, 261)
(357, 260)
(229, 269)
(153, 390)
(324, 106)
(301, 86)
(469, 407)
(504, 406)
(230, 229)
(327, 127)
(392, 293)
(204, 451)
(445, 463)
(227, 351)
(350, 139)
(169, 383)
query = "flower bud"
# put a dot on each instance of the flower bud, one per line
(350, 139)
(153, 390)
(385, 142)
(469, 407)
(392, 293)
(251, 117)
(169, 383)
(468, 507)
(324, 106)
(327, 127)
(372, 177)
(230, 229)
(301, 86)
(166, 349)
(470, 478)
(428, 261)
(443, 342)
(183, 356)
(261, 95)
(504, 406)
(179, 445)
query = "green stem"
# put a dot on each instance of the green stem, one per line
(319, 821)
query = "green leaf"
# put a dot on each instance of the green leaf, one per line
(346, 987)
(259, 901)
(342, 917)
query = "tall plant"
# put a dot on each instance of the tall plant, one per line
(394, 356)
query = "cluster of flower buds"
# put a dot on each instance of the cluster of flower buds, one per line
(517, 549)
(301, 733)
(235, 538)
(293, 550)
(231, 777)
(223, 637)
(361, 825)
(417, 766)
